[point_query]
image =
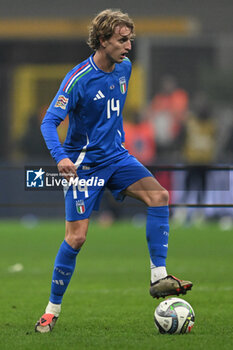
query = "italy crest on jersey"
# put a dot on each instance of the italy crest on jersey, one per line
(122, 82)
(80, 206)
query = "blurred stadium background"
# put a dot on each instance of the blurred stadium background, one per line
(179, 110)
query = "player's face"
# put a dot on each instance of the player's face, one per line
(118, 46)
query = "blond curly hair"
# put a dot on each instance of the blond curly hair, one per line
(104, 24)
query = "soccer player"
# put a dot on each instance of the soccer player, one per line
(93, 94)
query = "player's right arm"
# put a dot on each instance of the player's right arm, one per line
(49, 131)
(61, 105)
(67, 168)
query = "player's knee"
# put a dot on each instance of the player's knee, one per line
(158, 198)
(76, 237)
(78, 240)
(164, 197)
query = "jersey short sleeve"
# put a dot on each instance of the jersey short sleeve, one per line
(66, 99)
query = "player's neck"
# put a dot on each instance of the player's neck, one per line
(103, 62)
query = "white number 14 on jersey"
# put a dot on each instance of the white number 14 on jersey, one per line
(111, 106)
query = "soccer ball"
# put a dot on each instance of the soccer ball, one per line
(174, 316)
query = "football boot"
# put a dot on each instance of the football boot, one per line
(169, 285)
(46, 323)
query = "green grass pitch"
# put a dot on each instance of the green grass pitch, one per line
(107, 304)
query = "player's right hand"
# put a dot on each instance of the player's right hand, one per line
(67, 169)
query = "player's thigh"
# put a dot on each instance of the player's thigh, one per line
(126, 172)
(133, 179)
(149, 191)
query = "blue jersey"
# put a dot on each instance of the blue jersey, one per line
(94, 100)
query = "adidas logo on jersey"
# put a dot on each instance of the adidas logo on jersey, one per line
(99, 95)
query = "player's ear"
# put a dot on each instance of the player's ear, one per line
(103, 42)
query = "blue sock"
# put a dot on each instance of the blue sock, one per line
(63, 269)
(157, 232)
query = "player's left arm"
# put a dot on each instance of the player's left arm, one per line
(121, 129)
(128, 66)
(61, 105)
(127, 72)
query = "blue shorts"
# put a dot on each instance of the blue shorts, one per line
(84, 196)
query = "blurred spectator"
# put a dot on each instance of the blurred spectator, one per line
(225, 134)
(200, 133)
(167, 113)
(139, 140)
(199, 149)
